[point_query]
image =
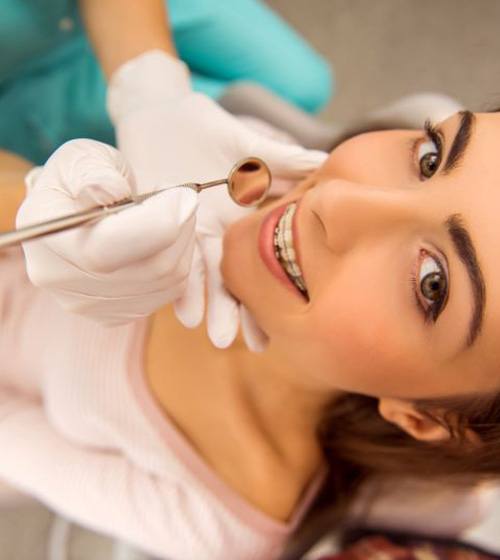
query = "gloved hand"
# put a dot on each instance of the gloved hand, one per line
(171, 135)
(122, 267)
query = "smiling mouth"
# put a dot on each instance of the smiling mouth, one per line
(284, 249)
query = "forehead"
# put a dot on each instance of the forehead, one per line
(473, 191)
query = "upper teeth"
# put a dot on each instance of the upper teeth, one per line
(284, 249)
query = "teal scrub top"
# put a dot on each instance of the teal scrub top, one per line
(52, 88)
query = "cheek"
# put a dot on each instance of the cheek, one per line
(353, 334)
(356, 338)
(236, 256)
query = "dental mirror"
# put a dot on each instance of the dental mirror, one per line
(248, 184)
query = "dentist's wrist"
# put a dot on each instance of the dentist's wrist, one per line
(120, 30)
(151, 78)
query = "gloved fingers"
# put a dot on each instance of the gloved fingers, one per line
(77, 176)
(222, 308)
(190, 306)
(91, 172)
(43, 268)
(168, 267)
(131, 235)
(285, 160)
(157, 273)
(216, 212)
(43, 204)
(255, 338)
(154, 226)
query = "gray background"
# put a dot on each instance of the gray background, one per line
(380, 49)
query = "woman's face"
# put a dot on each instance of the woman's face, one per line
(386, 206)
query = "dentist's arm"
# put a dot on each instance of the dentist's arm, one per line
(120, 30)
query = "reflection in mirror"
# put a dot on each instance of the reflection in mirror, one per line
(249, 182)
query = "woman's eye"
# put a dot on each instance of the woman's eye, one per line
(433, 285)
(429, 158)
(429, 152)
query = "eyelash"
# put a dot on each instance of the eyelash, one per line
(434, 135)
(432, 311)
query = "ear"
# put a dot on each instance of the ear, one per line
(404, 415)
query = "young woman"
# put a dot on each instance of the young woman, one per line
(381, 359)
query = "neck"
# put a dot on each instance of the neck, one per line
(251, 395)
(281, 400)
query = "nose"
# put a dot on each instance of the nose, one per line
(353, 213)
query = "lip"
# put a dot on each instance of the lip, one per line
(266, 246)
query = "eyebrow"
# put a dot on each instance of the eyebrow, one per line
(460, 142)
(460, 236)
(466, 252)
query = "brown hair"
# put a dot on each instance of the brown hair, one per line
(359, 445)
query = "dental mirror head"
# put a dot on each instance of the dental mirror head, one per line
(249, 181)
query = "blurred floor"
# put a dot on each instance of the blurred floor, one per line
(380, 50)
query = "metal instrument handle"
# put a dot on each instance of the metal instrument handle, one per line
(74, 220)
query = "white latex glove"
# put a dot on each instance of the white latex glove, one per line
(117, 269)
(171, 135)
